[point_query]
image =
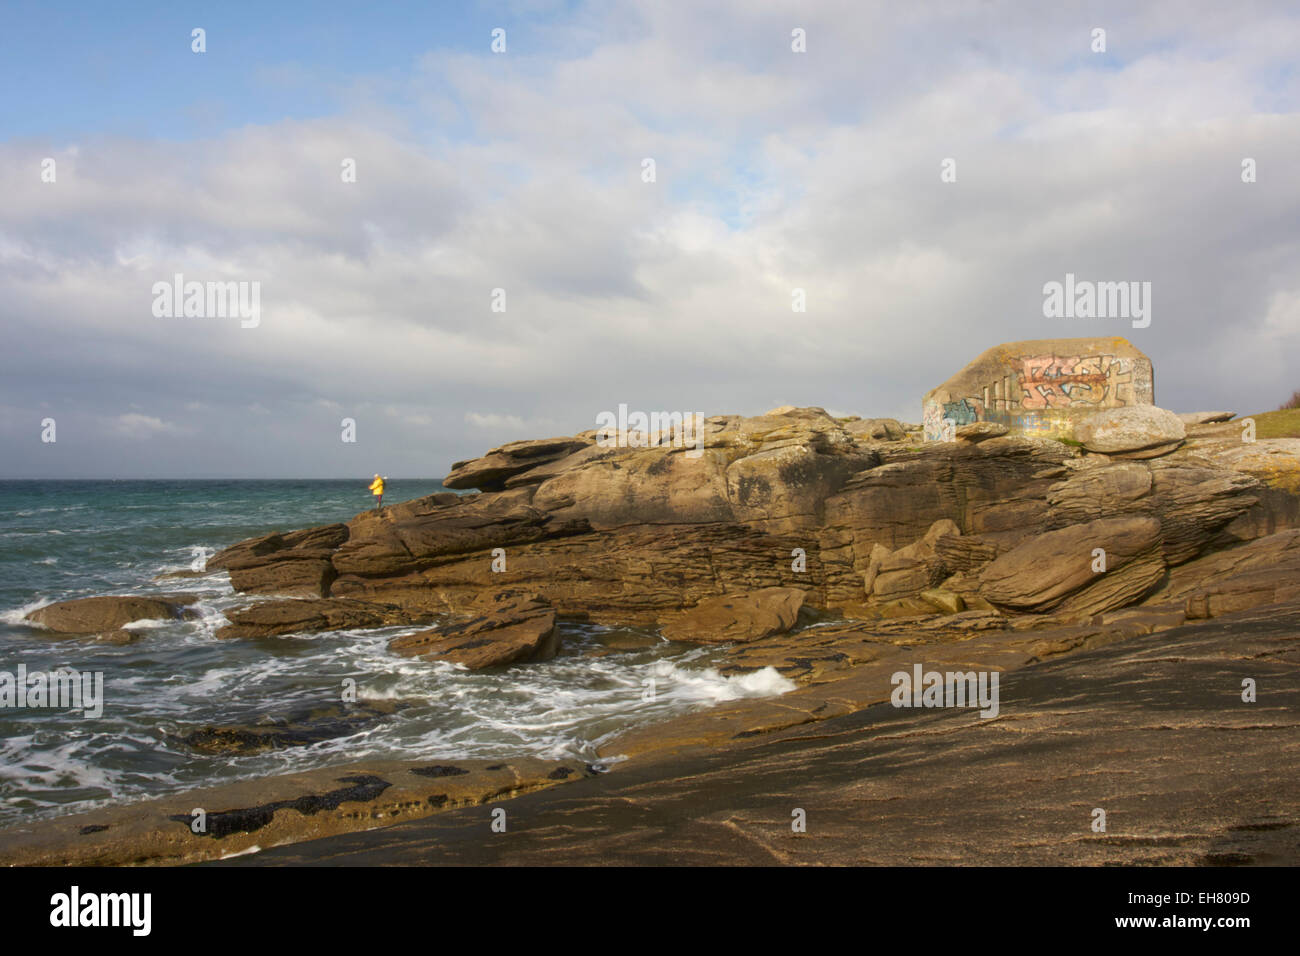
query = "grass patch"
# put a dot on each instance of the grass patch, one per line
(1284, 423)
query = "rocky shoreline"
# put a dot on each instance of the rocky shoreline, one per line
(837, 551)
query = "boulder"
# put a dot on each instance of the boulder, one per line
(978, 431)
(519, 628)
(101, 615)
(1205, 418)
(1120, 430)
(1043, 571)
(736, 617)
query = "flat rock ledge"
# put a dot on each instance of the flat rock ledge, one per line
(252, 815)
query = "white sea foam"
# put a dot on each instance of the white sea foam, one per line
(16, 615)
(565, 708)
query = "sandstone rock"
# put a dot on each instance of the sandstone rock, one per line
(1205, 418)
(273, 618)
(490, 472)
(877, 429)
(791, 498)
(946, 601)
(1118, 430)
(519, 628)
(1041, 573)
(95, 615)
(737, 617)
(297, 563)
(978, 431)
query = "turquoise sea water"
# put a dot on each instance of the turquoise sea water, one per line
(64, 539)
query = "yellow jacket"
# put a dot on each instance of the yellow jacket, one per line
(377, 486)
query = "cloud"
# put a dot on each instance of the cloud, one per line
(135, 426)
(492, 420)
(775, 171)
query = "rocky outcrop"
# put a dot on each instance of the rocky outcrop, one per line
(517, 629)
(109, 614)
(871, 527)
(296, 563)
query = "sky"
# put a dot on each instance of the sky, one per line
(128, 158)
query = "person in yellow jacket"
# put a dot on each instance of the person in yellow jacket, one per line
(377, 489)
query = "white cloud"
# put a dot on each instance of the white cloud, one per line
(136, 426)
(776, 170)
(493, 420)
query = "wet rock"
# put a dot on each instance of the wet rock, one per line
(97, 615)
(273, 618)
(518, 629)
(297, 729)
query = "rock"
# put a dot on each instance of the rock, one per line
(877, 429)
(96, 615)
(298, 729)
(913, 568)
(120, 637)
(793, 498)
(1274, 461)
(737, 617)
(1130, 430)
(1042, 387)
(273, 618)
(946, 601)
(185, 573)
(1152, 723)
(1205, 418)
(298, 563)
(511, 461)
(1045, 570)
(1142, 454)
(978, 431)
(518, 629)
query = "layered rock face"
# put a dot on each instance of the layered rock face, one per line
(850, 513)
(1041, 387)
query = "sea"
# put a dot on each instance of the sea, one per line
(68, 539)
